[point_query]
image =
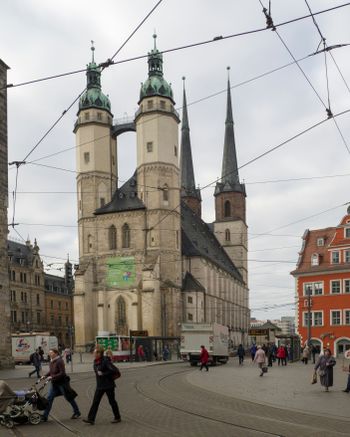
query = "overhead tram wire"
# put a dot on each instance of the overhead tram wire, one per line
(270, 25)
(110, 62)
(191, 103)
(19, 163)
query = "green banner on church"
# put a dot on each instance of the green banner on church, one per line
(121, 272)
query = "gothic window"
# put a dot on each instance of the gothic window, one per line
(112, 237)
(13, 275)
(102, 201)
(125, 236)
(227, 235)
(165, 193)
(227, 209)
(120, 321)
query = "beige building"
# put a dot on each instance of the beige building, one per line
(147, 259)
(39, 302)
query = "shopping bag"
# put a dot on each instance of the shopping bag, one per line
(314, 378)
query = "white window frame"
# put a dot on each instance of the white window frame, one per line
(345, 232)
(312, 285)
(344, 316)
(315, 259)
(346, 258)
(344, 286)
(313, 318)
(320, 242)
(332, 253)
(331, 286)
(331, 317)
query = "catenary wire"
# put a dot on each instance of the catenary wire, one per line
(213, 40)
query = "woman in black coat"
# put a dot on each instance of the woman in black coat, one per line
(104, 384)
(325, 365)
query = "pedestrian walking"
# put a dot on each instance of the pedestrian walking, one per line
(306, 352)
(166, 353)
(347, 370)
(35, 359)
(141, 353)
(203, 358)
(281, 355)
(313, 353)
(104, 371)
(240, 353)
(253, 349)
(325, 364)
(41, 353)
(59, 385)
(68, 355)
(270, 355)
(260, 359)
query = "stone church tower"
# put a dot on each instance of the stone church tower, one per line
(230, 225)
(5, 338)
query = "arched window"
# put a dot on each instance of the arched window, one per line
(112, 237)
(125, 236)
(227, 209)
(227, 235)
(314, 259)
(165, 193)
(89, 243)
(120, 316)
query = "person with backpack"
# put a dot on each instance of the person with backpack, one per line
(35, 359)
(106, 373)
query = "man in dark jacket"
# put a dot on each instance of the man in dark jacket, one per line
(240, 353)
(57, 376)
(35, 359)
(104, 372)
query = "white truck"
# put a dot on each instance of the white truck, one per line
(23, 345)
(213, 336)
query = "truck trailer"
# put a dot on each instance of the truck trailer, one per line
(213, 336)
(23, 345)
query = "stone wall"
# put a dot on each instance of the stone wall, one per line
(5, 338)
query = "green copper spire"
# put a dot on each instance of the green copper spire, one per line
(93, 96)
(155, 85)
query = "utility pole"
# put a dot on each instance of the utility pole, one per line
(309, 291)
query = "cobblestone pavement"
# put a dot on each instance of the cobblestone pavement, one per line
(160, 401)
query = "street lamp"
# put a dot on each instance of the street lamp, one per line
(309, 293)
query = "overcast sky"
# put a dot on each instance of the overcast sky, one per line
(41, 38)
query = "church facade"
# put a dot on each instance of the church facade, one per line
(147, 260)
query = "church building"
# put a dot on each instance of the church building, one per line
(147, 260)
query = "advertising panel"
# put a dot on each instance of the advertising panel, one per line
(121, 272)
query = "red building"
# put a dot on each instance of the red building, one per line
(323, 272)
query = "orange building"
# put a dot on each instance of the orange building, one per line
(323, 272)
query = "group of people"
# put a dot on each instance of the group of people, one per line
(105, 373)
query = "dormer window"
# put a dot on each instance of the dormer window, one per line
(315, 259)
(320, 242)
(335, 257)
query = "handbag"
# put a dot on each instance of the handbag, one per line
(264, 369)
(116, 372)
(322, 372)
(314, 378)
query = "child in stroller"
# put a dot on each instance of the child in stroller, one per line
(22, 406)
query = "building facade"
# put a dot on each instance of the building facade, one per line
(38, 302)
(322, 281)
(147, 260)
(5, 338)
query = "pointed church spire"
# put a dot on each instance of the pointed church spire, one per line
(189, 192)
(229, 174)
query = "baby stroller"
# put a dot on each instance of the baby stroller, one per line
(17, 407)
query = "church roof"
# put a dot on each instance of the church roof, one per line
(188, 184)
(124, 199)
(190, 283)
(229, 174)
(199, 240)
(155, 85)
(93, 96)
